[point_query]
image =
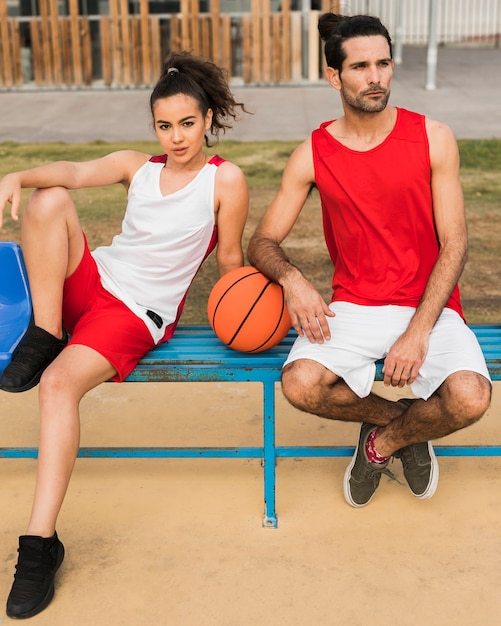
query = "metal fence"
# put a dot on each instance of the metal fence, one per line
(461, 22)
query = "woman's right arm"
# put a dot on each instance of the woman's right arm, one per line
(117, 167)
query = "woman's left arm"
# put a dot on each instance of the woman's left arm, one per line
(232, 207)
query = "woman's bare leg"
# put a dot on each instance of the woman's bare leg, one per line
(74, 372)
(77, 370)
(53, 245)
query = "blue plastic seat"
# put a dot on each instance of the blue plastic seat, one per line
(15, 300)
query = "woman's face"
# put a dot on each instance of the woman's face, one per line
(180, 126)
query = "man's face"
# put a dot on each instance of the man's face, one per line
(365, 80)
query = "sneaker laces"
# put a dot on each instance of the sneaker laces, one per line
(370, 471)
(33, 563)
(387, 472)
(415, 454)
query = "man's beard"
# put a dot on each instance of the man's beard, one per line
(358, 103)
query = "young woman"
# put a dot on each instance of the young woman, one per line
(119, 301)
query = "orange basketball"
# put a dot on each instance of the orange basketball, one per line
(247, 311)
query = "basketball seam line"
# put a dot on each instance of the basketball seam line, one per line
(275, 329)
(249, 312)
(226, 291)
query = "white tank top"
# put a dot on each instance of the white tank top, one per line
(150, 265)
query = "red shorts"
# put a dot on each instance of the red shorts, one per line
(95, 318)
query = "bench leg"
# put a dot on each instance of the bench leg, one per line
(269, 454)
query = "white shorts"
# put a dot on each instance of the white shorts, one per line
(361, 335)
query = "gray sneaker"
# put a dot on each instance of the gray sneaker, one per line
(420, 465)
(362, 478)
(420, 469)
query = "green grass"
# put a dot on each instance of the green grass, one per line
(262, 161)
(482, 154)
(101, 211)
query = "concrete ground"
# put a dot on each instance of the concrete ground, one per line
(180, 542)
(467, 98)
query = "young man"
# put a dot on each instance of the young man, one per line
(395, 229)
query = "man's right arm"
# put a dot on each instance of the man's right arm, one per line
(306, 306)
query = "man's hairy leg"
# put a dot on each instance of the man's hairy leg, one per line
(311, 387)
(459, 402)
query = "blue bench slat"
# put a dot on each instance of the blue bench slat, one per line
(145, 453)
(205, 373)
(241, 452)
(196, 348)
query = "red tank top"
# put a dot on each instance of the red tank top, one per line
(378, 215)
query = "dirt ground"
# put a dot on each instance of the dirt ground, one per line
(180, 542)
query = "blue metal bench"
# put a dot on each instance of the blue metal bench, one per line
(195, 354)
(15, 301)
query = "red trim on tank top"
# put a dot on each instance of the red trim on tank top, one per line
(162, 158)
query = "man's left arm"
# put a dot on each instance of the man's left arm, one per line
(409, 351)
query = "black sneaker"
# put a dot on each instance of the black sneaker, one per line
(362, 478)
(37, 351)
(420, 465)
(33, 588)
